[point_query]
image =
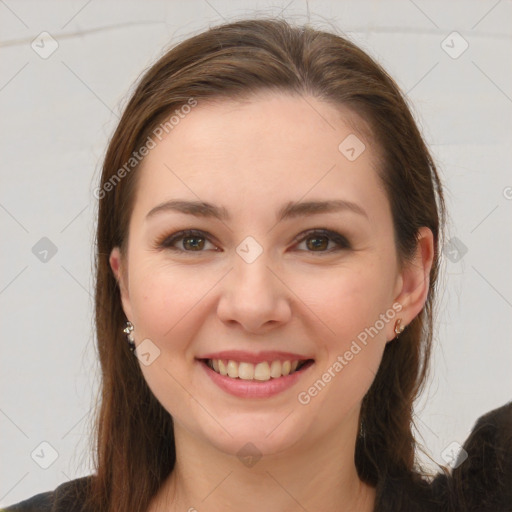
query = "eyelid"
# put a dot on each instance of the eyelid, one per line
(340, 239)
(165, 241)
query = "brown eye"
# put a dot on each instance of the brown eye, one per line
(191, 241)
(194, 241)
(318, 240)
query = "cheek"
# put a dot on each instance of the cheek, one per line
(352, 350)
(163, 296)
(349, 300)
(354, 306)
(165, 305)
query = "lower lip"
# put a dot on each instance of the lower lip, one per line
(253, 388)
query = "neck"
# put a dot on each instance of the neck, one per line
(318, 476)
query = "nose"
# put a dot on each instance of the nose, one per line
(254, 296)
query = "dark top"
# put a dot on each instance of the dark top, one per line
(481, 483)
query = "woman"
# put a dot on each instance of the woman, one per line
(268, 247)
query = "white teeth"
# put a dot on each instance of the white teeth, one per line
(232, 369)
(275, 369)
(222, 368)
(247, 371)
(261, 371)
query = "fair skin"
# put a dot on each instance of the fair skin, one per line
(252, 158)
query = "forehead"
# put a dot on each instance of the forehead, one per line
(270, 146)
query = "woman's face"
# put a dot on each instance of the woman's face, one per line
(267, 282)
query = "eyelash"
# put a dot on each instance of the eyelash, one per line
(166, 242)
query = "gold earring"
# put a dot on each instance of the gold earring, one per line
(399, 328)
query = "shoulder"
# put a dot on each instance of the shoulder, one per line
(67, 497)
(483, 481)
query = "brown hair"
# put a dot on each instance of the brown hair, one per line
(134, 434)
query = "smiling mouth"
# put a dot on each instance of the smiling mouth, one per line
(264, 371)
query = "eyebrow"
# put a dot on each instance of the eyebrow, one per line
(288, 211)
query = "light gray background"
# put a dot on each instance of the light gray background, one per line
(58, 113)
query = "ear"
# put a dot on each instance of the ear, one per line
(415, 278)
(117, 265)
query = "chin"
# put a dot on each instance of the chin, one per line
(263, 434)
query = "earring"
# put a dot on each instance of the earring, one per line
(399, 329)
(128, 331)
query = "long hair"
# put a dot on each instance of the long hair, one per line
(134, 440)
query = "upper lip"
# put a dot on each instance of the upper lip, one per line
(255, 357)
